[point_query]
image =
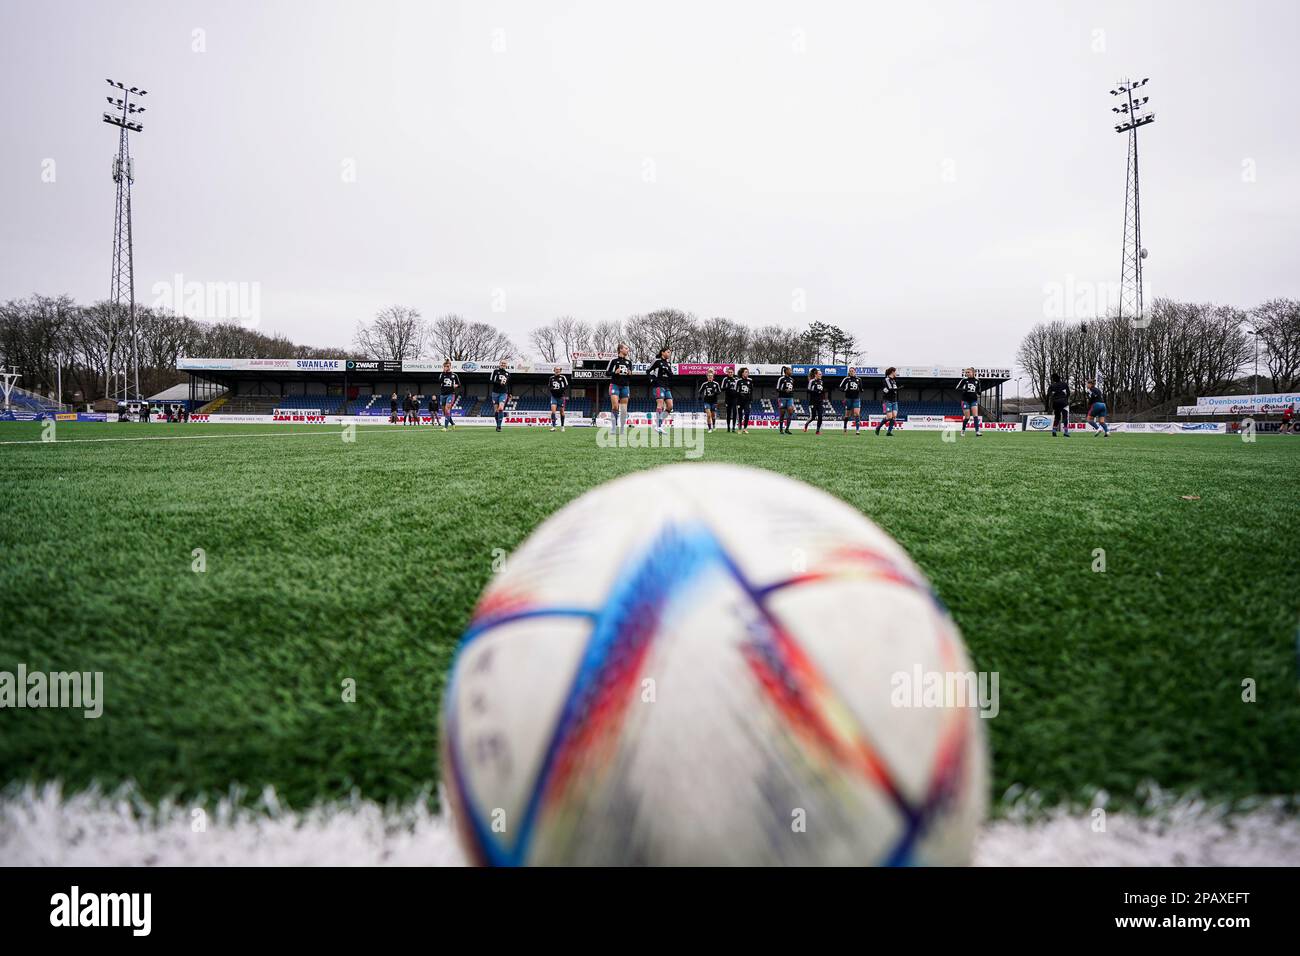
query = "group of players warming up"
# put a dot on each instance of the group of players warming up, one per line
(736, 393)
(498, 395)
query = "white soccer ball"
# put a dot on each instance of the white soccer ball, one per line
(707, 664)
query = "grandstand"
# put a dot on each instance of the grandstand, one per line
(28, 406)
(348, 387)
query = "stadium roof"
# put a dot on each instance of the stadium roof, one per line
(177, 393)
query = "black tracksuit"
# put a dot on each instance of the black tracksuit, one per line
(729, 396)
(1058, 394)
(816, 396)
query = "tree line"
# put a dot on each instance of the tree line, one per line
(53, 339)
(1186, 349)
(691, 339)
(49, 339)
(400, 332)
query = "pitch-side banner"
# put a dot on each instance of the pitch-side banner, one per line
(836, 371)
(950, 371)
(308, 419)
(261, 365)
(1172, 428)
(427, 366)
(697, 368)
(1237, 408)
(1278, 400)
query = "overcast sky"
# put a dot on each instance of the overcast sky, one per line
(931, 176)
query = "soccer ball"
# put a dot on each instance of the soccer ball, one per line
(706, 664)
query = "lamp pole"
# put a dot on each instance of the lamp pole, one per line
(123, 282)
(1131, 117)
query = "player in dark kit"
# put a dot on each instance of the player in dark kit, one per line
(1097, 410)
(816, 397)
(744, 392)
(499, 389)
(851, 386)
(1058, 396)
(434, 411)
(448, 385)
(559, 389)
(785, 399)
(660, 374)
(889, 401)
(620, 386)
(392, 409)
(708, 393)
(729, 396)
(968, 390)
(409, 407)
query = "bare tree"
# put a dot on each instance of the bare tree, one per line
(605, 336)
(447, 337)
(664, 329)
(163, 337)
(395, 333)
(776, 343)
(639, 336)
(35, 335)
(1035, 357)
(545, 342)
(1277, 323)
(581, 338)
(573, 335)
(721, 340)
(483, 343)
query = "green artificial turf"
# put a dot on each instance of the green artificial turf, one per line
(328, 560)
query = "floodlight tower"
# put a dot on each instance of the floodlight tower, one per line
(1132, 115)
(123, 281)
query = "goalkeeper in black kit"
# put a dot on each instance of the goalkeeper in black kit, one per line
(1058, 396)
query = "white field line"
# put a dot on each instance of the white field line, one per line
(40, 827)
